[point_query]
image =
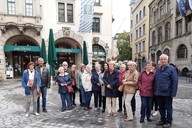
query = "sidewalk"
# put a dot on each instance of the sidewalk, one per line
(12, 101)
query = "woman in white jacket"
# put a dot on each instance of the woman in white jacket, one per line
(87, 85)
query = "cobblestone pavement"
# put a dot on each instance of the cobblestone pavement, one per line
(12, 101)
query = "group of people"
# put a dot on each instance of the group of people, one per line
(156, 84)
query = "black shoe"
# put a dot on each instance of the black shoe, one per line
(38, 111)
(89, 107)
(149, 120)
(119, 110)
(167, 125)
(160, 123)
(103, 111)
(141, 120)
(45, 110)
(133, 113)
(74, 104)
(63, 109)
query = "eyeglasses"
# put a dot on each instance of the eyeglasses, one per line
(64, 65)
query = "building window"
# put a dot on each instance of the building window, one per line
(131, 23)
(182, 52)
(97, 3)
(143, 45)
(144, 29)
(167, 31)
(177, 9)
(140, 32)
(96, 25)
(61, 12)
(153, 37)
(131, 37)
(166, 51)
(143, 11)
(29, 7)
(137, 18)
(159, 34)
(139, 47)
(179, 27)
(70, 13)
(140, 15)
(161, 10)
(189, 23)
(159, 53)
(155, 15)
(168, 5)
(11, 7)
(136, 34)
(136, 46)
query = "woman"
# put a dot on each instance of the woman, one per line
(121, 77)
(111, 80)
(87, 86)
(130, 84)
(31, 82)
(80, 86)
(64, 80)
(146, 88)
(73, 77)
(96, 86)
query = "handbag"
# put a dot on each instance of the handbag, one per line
(120, 88)
(70, 89)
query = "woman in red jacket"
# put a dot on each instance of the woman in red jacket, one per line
(146, 88)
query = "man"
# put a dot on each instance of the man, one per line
(166, 84)
(45, 83)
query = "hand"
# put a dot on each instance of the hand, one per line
(98, 84)
(109, 86)
(62, 84)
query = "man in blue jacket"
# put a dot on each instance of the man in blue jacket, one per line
(166, 84)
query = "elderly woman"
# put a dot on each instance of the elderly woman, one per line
(121, 77)
(31, 81)
(111, 81)
(64, 80)
(96, 86)
(130, 84)
(146, 88)
(87, 86)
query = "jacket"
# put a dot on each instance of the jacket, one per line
(166, 81)
(94, 81)
(113, 81)
(86, 81)
(25, 79)
(63, 79)
(45, 77)
(130, 85)
(146, 84)
(79, 80)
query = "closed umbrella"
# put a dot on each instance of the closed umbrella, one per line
(52, 60)
(85, 54)
(43, 51)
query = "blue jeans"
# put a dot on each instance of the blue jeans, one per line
(82, 95)
(97, 97)
(165, 108)
(65, 97)
(44, 94)
(146, 103)
(88, 98)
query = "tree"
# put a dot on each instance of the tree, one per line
(123, 45)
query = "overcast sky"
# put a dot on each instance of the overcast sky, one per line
(121, 14)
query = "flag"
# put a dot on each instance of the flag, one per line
(86, 19)
(181, 6)
(190, 4)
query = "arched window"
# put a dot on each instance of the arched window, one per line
(137, 18)
(158, 55)
(140, 15)
(143, 11)
(166, 51)
(153, 37)
(182, 52)
(167, 31)
(159, 35)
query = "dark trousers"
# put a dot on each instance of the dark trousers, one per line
(120, 98)
(104, 102)
(83, 98)
(44, 94)
(65, 98)
(72, 95)
(88, 98)
(146, 103)
(133, 104)
(80, 97)
(97, 98)
(154, 103)
(165, 108)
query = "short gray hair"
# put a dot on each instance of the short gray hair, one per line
(164, 56)
(123, 65)
(98, 65)
(65, 63)
(40, 59)
(88, 66)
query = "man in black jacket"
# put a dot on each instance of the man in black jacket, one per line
(45, 83)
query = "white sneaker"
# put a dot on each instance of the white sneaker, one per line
(26, 115)
(37, 114)
(155, 113)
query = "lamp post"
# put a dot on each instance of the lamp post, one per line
(106, 49)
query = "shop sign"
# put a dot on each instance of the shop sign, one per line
(22, 48)
(65, 50)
